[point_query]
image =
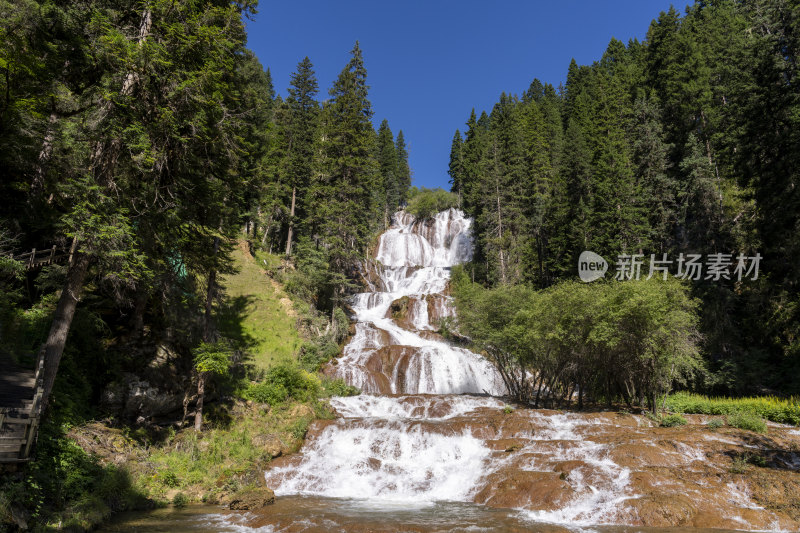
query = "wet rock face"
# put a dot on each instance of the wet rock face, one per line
(570, 468)
(252, 499)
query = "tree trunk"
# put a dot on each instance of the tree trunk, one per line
(267, 229)
(500, 235)
(37, 186)
(291, 224)
(201, 392)
(65, 311)
(140, 303)
(208, 336)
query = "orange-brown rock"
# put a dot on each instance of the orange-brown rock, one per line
(662, 510)
(531, 490)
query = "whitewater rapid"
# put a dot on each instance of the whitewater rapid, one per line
(383, 447)
(431, 427)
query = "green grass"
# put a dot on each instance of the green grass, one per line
(254, 314)
(784, 411)
(221, 459)
(673, 421)
(747, 420)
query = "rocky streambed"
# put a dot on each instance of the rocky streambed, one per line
(431, 432)
(550, 467)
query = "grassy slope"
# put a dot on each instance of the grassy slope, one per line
(258, 312)
(237, 442)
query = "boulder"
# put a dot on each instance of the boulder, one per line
(663, 510)
(145, 400)
(271, 444)
(252, 499)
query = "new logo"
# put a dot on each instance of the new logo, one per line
(591, 266)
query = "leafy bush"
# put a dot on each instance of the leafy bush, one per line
(180, 500)
(271, 393)
(170, 479)
(282, 381)
(674, 420)
(715, 423)
(299, 427)
(784, 411)
(337, 387)
(425, 203)
(608, 340)
(742, 461)
(739, 465)
(64, 483)
(748, 421)
(315, 354)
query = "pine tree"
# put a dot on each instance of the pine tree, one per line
(300, 138)
(388, 161)
(152, 164)
(346, 212)
(403, 171)
(456, 167)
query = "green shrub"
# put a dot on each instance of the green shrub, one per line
(425, 203)
(532, 335)
(337, 387)
(748, 421)
(739, 465)
(299, 384)
(283, 381)
(170, 479)
(741, 462)
(781, 410)
(180, 500)
(673, 421)
(270, 393)
(715, 423)
(508, 409)
(315, 354)
(299, 427)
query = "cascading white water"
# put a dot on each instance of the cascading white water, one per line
(387, 356)
(429, 428)
(383, 448)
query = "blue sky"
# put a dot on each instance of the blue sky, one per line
(430, 62)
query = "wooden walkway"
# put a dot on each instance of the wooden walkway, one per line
(21, 389)
(39, 258)
(20, 409)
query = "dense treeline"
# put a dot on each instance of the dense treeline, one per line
(142, 137)
(684, 143)
(581, 342)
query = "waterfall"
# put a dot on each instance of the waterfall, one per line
(428, 431)
(384, 447)
(394, 350)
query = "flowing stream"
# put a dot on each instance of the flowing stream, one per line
(429, 445)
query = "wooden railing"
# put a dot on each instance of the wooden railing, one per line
(39, 258)
(19, 425)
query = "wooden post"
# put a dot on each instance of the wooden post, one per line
(72, 250)
(52, 255)
(31, 436)
(2, 416)
(30, 261)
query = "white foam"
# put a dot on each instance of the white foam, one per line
(390, 462)
(415, 258)
(411, 407)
